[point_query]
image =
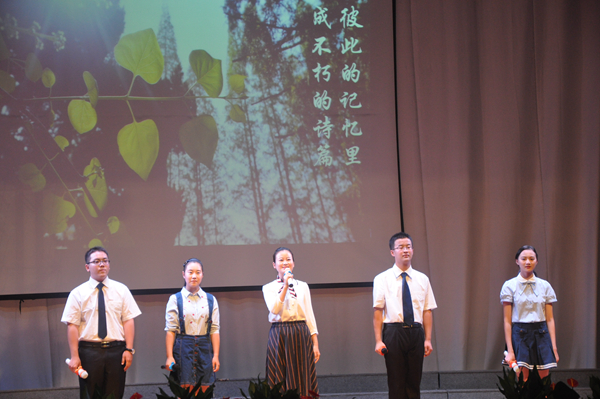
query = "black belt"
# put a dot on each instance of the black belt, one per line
(103, 344)
(405, 325)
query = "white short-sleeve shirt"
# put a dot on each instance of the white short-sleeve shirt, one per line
(81, 309)
(195, 313)
(387, 294)
(529, 298)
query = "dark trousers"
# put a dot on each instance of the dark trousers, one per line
(404, 360)
(105, 371)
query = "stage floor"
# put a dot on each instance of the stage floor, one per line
(435, 385)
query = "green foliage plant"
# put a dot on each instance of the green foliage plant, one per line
(138, 142)
(534, 388)
(184, 392)
(261, 390)
(595, 387)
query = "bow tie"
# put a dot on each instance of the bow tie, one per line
(529, 283)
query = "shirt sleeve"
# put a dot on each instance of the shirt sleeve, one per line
(130, 307)
(549, 295)
(430, 303)
(215, 326)
(172, 315)
(72, 312)
(506, 293)
(310, 315)
(272, 299)
(378, 292)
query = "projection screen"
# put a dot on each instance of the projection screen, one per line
(164, 130)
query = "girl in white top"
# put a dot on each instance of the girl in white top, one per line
(529, 329)
(293, 347)
(192, 326)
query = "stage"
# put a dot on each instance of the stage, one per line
(435, 385)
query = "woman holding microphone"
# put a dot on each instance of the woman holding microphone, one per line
(293, 347)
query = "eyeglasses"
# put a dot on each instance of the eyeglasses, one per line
(401, 247)
(97, 262)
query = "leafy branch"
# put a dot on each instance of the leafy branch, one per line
(138, 142)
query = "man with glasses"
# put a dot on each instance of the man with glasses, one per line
(402, 304)
(100, 329)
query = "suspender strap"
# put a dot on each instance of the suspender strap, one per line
(211, 300)
(180, 313)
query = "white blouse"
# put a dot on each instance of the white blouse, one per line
(195, 313)
(294, 308)
(529, 298)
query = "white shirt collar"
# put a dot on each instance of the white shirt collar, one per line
(521, 279)
(94, 283)
(186, 293)
(398, 271)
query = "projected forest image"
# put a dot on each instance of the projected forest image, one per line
(262, 148)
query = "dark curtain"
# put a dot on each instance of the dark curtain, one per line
(498, 136)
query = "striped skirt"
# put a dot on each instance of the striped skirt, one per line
(291, 357)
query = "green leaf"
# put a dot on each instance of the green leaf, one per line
(4, 51)
(237, 114)
(163, 395)
(208, 72)
(96, 185)
(95, 243)
(61, 142)
(82, 115)
(48, 78)
(32, 176)
(140, 53)
(33, 68)
(237, 83)
(56, 212)
(7, 82)
(113, 224)
(199, 138)
(92, 87)
(138, 145)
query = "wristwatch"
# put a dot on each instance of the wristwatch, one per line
(132, 351)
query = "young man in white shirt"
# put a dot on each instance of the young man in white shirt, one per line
(100, 328)
(403, 320)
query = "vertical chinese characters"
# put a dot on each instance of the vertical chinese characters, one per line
(339, 60)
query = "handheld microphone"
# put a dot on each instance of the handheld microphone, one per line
(173, 366)
(513, 365)
(384, 351)
(80, 372)
(290, 283)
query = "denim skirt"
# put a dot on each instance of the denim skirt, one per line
(194, 355)
(533, 346)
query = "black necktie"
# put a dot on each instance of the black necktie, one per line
(101, 312)
(407, 308)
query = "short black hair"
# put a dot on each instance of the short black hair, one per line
(193, 260)
(92, 250)
(398, 236)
